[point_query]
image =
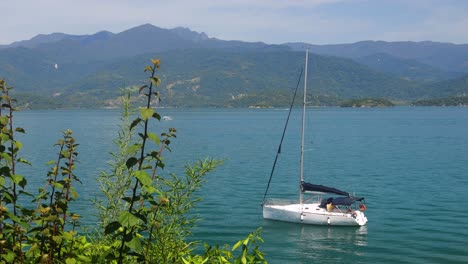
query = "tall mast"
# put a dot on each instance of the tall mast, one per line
(303, 127)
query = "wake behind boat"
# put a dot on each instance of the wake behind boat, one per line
(323, 205)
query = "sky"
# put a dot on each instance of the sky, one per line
(269, 21)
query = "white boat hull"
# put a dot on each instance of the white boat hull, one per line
(312, 214)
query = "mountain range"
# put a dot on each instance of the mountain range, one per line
(61, 70)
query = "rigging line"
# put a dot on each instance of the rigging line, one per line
(282, 137)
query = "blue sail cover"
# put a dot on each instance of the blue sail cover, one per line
(346, 201)
(320, 188)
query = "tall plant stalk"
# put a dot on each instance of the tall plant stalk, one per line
(146, 114)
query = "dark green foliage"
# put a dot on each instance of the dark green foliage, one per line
(50, 241)
(367, 102)
(451, 88)
(409, 69)
(215, 78)
(449, 101)
(13, 224)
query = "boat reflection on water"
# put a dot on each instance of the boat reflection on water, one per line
(309, 243)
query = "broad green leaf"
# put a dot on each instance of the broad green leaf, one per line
(9, 257)
(146, 113)
(24, 161)
(18, 144)
(57, 239)
(84, 258)
(17, 178)
(58, 185)
(134, 148)
(2, 181)
(155, 81)
(112, 227)
(135, 244)
(6, 156)
(70, 261)
(154, 138)
(4, 138)
(134, 123)
(131, 162)
(148, 68)
(5, 170)
(237, 245)
(127, 219)
(3, 120)
(157, 116)
(69, 235)
(150, 189)
(20, 130)
(65, 154)
(144, 178)
(142, 87)
(22, 182)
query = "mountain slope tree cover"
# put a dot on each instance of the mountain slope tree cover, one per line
(219, 78)
(445, 56)
(450, 88)
(448, 101)
(202, 71)
(409, 69)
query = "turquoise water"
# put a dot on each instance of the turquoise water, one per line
(409, 163)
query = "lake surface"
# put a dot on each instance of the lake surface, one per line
(410, 164)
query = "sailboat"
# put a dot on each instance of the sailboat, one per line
(317, 204)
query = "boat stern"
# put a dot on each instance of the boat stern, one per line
(360, 218)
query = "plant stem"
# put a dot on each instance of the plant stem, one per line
(140, 165)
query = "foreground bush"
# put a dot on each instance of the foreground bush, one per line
(144, 216)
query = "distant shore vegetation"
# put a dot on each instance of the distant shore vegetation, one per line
(262, 100)
(367, 102)
(449, 101)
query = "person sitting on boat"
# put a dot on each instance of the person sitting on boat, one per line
(324, 202)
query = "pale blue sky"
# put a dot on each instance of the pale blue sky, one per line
(270, 21)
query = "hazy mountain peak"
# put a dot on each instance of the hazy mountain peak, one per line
(99, 36)
(40, 39)
(143, 28)
(188, 34)
(104, 33)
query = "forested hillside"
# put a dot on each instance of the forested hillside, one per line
(61, 70)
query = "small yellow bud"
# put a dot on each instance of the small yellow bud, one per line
(75, 217)
(156, 62)
(163, 201)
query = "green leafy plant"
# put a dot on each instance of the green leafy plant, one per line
(49, 239)
(114, 183)
(145, 215)
(12, 223)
